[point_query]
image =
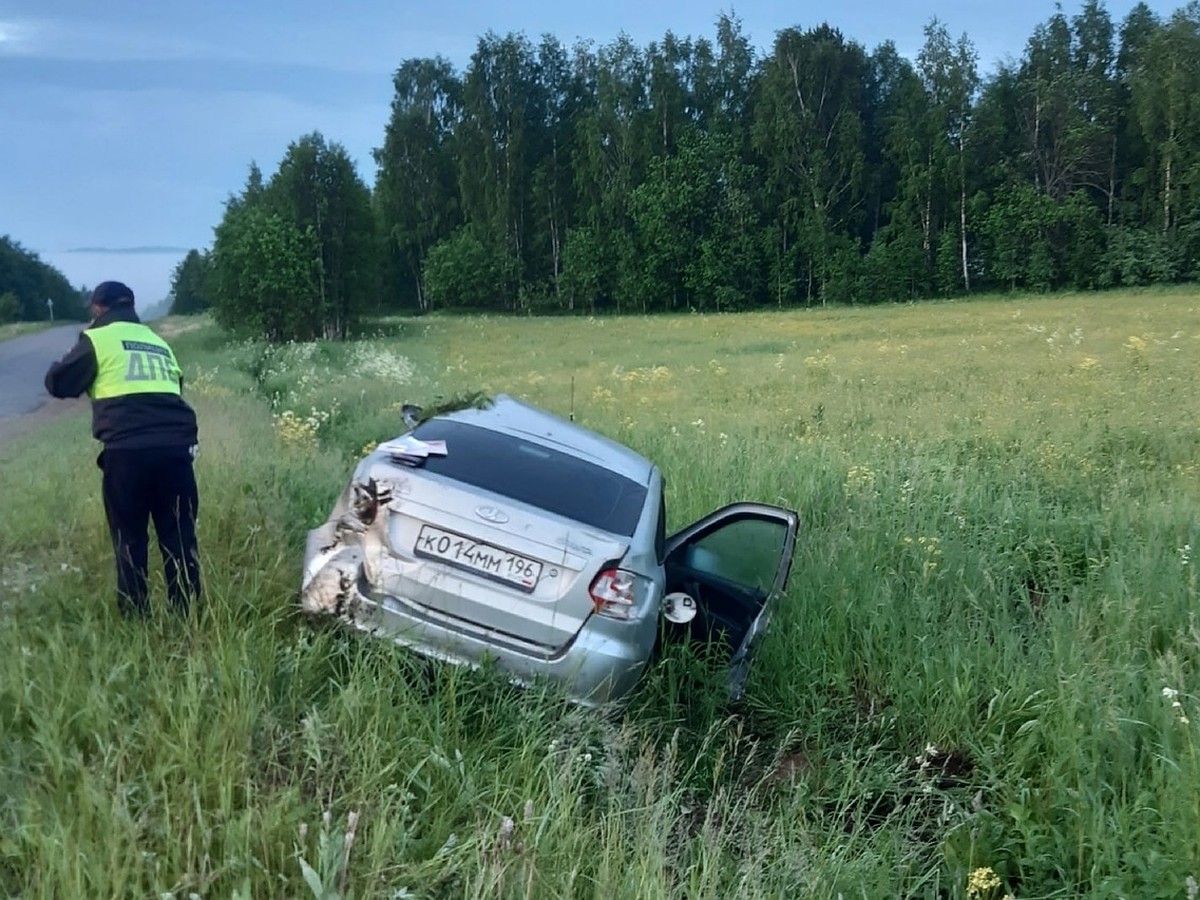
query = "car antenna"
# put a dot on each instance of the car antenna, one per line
(572, 398)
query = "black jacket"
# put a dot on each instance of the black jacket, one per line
(126, 423)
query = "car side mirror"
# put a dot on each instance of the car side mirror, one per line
(411, 415)
(679, 608)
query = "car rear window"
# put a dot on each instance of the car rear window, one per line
(537, 475)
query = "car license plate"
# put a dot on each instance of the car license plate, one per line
(476, 556)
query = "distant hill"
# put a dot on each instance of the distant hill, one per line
(155, 310)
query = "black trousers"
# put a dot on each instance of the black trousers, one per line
(154, 483)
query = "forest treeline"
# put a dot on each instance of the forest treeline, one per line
(698, 174)
(26, 283)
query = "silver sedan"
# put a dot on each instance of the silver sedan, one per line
(510, 534)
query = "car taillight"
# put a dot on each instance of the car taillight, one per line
(614, 593)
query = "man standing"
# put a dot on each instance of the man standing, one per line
(148, 434)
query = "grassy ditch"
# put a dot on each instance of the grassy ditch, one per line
(984, 681)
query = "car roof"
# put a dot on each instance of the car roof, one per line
(508, 415)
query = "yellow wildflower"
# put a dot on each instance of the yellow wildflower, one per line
(1136, 344)
(982, 882)
(859, 478)
(293, 429)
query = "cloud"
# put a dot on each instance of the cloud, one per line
(363, 40)
(256, 43)
(100, 41)
(15, 37)
(174, 251)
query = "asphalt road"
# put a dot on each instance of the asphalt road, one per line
(23, 364)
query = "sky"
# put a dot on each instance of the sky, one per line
(125, 125)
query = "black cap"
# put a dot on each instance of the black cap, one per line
(111, 293)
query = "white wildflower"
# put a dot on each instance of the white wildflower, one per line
(506, 831)
(372, 360)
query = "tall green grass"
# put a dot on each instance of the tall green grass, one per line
(995, 581)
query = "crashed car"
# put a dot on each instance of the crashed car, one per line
(510, 534)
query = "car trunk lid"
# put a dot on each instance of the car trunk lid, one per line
(482, 562)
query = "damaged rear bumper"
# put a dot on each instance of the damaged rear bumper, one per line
(593, 669)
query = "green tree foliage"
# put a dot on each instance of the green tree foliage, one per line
(308, 234)
(693, 173)
(583, 268)
(810, 128)
(950, 79)
(318, 190)
(1165, 88)
(561, 98)
(31, 282)
(191, 289)
(1137, 256)
(467, 272)
(695, 228)
(498, 146)
(10, 307)
(267, 275)
(416, 195)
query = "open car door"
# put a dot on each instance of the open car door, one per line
(734, 563)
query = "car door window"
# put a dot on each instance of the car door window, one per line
(732, 563)
(745, 551)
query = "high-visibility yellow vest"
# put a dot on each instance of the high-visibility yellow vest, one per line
(132, 359)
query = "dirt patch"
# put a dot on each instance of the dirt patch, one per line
(791, 766)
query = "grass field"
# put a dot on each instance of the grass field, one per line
(984, 682)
